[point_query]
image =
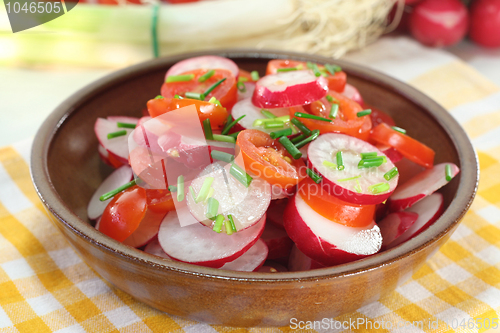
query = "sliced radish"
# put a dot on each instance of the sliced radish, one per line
(353, 93)
(420, 186)
(322, 153)
(325, 241)
(119, 145)
(407, 170)
(394, 225)
(155, 249)
(300, 262)
(287, 89)
(249, 89)
(116, 179)
(428, 209)
(277, 241)
(197, 244)
(147, 229)
(276, 211)
(250, 261)
(109, 159)
(252, 113)
(203, 62)
(246, 205)
(394, 155)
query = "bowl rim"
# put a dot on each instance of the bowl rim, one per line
(453, 214)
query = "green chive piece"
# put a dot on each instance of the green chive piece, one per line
(228, 127)
(314, 176)
(210, 193)
(207, 128)
(242, 79)
(231, 222)
(241, 87)
(274, 124)
(399, 129)
(219, 220)
(330, 98)
(180, 188)
(379, 188)
(334, 110)
(212, 208)
(177, 97)
(255, 75)
(222, 156)
(235, 134)
(357, 188)
(159, 97)
(298, 138)
(116, 134)
(286, 69)
(280, 133)
(364, 113)
(333, 68)
(172, 188)
(340, 161)
(329, 164)
(212, 100)
(300, 125)
(263, 121)
(212, 87)
(229, 120)
(223, 138)
(310, 116)
(283, 118)
(371, 162)
(114, 192)
(300, 67)
(193, 193)
(391, 174)
(316, 70)
(267, 114)
(229, 230)
(347, 179)
(289, 146)
(304, 142)
(309, 65)
(180, 78)
(125, 125)
(294, 129)
(240, 175)
(447, 171)
(206, 76)
(202, 195)
(368, 155)
(194, 95)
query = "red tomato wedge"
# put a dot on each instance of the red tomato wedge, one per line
(246, 75)
(226, 92)
(160, 201)
(378, 116)
(268, 159)
(410, 148)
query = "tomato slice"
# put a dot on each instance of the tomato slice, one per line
(334, 209)
(335, 82)
(378, 116)
(218, 115)
(268, 159)
(160, 201)
(246, 75)
(226, 92)
(410, 148)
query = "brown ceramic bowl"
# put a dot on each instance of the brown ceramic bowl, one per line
(66, 170)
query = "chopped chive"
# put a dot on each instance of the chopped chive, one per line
(310, 116)
(334, 110)
(212, 87)
(223, 138)
(330, 98)
(235, 134)
(304, 142)
(116, 134)
(180, 78)
(180, 188)
(267, 114)
(283, 118)
(206, 76)
(159, 97)
(125, 125)
(286, 69)
(262, 121)
(280, 133)
(333, 68)
(368, 155)
(364, 113)
(300, 67)
(212, 208)
(194, 95)
(178, 97)
(274, 124)
(203, 193)
(219, 220)
(391, 173)
(323, 72)
(229, 230)
(289, 146)
(214, 100)
(347, 179)
(379, 188)
(241, 87)
(298, 138)
(447, 171)
(316, 70)
(340, 161)
(240, 175)
(329, 164)
(399, 129)
(357, 188)
(242, 79)
(231, 222)
(314, 176)
(309, 65)
(193, 193)
(207, 128)
(210, 193)
(294, 129)
(222, 156)
(230, 125)
(371, 162)
(172, 188)
(300, 125)
(114, 192)
(255, 75)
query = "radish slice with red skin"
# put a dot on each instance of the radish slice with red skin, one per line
(394, 155)
(203, 62)
(147, 229)
(250, 261)
(249, 89)
(300, 262)
(353, 93)
(155, 249)
(199, 245)
(326, 241)
(252, 113)
(420, 186)
(108, 158)
(325, 148)
(276, 211)
(116, 179)
(428, 210)
(394, 225)
(407, 170)
(118, 145)
(277, 241)
(287, 89)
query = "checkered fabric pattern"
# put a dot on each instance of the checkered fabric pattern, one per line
(46, 287)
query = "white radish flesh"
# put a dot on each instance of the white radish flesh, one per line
(252, 113)
(203, 62)
(249, 89)
(395, 224)
(353, 93)
(155, 249)
(118, 145)
(250, 261)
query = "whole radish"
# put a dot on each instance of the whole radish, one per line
(485, 23)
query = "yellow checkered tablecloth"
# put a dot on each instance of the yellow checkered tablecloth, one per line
(46, 287)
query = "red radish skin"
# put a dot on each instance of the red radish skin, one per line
(203, 62)
(287, 89)
(485, 23)
(353, 93)
(252, 113)
(394, 225)
(300, 262)
(109, 159)
(420, 186)
(251, 260)
(277, 241)
(146, 231)
(276, 211)
(155, 249)
(199, 245)
(394, 155)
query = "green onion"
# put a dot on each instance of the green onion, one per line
(347, 179)
(283, 118)
(172, 188)
(364, 113)
(310, 116)
(212, 87)
(314, 176)
(240, 175)
(316, 70)
(116, 134)
(202, 195)
(274, 124)
(231, 222)
(286, 69)
(334, 110)
(255, 75)
(296, 154)
(329, 164)
(114, 192)
(333, 68)
(194, 95)
(207, 128)
(309, 65)
(330, 99)
(206, 76)
(399, 129)
(447, 172)
(125, 125)
(235, 134)
(222, 156)
(267, 114)
(230, 125)
(263, 121)
(379, 188)
(340, 161)
(159, 97)
(214, 100)
(300, 125)
(193, 193)
(304, 142)
(180, 78)
(177, 97)
(280, 133)
(357, 188)
(212, 208)
(210, 193)
(223, 138)
(242, 79)
(298, 138)
(371, 162)
(241, 87)
(229, 230)
(219, 220)
(180, 188)
(368, 155)
(391, 173)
